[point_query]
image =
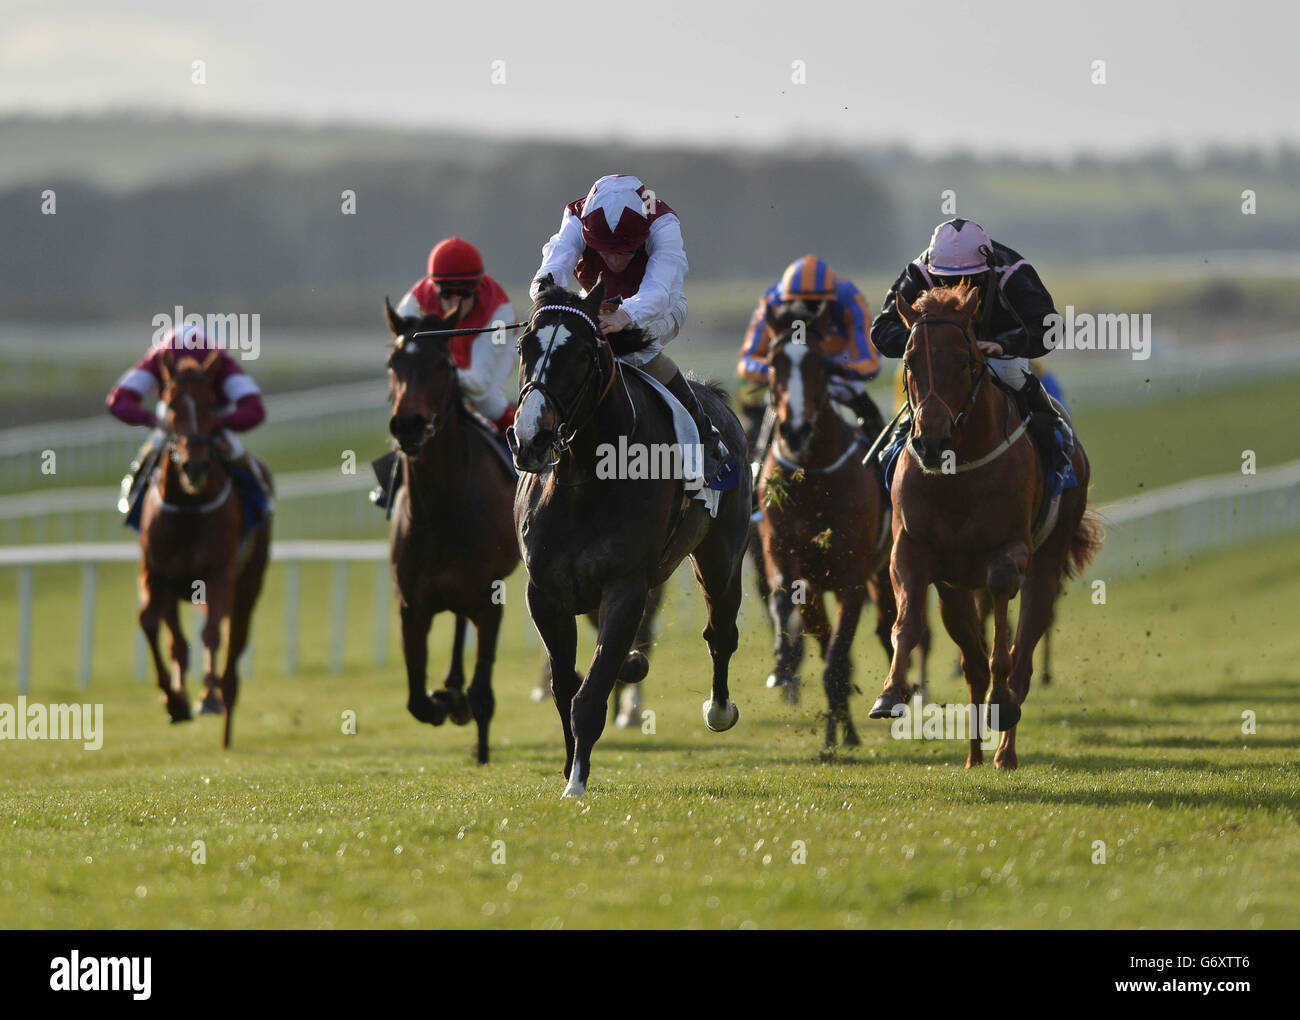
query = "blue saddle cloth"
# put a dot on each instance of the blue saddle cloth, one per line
(251, 498)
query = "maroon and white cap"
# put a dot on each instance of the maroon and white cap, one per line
(958, 248)
(615, 215)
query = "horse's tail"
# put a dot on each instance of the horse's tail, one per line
(1085, 542)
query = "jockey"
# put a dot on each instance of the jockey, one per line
(624, 234)
(238, 397)
(846, 343)
(1012, 317)
(456, 282)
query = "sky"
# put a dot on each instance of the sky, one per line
(993, 77)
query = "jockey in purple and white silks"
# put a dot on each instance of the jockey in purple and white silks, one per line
(1011, 321)
(622, 233)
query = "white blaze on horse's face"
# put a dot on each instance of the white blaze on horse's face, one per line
(528, 419)
(794, 385)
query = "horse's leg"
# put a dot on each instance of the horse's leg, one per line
(787, 640)
(909, 574)
(559, 633)
(1047, 650)
(220, 596)
(416, 620)
(627, 694)
(717, 569)
(247, 589)
(155, 598)
(621, 607)
(754, 549)
(1037, 599)
(1005, 576)
(838, 677)
(481, 702)
(452, 694)
(961, 617)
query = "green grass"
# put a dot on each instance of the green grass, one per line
(1137, 743)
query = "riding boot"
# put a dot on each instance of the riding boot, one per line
(719, 467)
(870, 420)
(248, 464)
(1045, 418)
(389, 478)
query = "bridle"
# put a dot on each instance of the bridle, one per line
(569, 427)
(449, 397)
(778, 345)
(207, 441)
(977, 375)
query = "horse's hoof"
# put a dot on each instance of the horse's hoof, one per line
(211, 704)
(629, 708)
(540, 693)
(888, 706)
(181, 718)
(851, 739)
(575, 788)
(635, 668)
(427, 710)
(720, 717)
(1006, 717)
(455, 704)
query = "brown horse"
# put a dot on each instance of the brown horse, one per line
(452, 540)
(966, 499)
(596, 542)
(823, 527)
(190, 541)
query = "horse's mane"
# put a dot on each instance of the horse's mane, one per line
(941, 302)
(624, 342)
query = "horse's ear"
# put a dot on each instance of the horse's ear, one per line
(545, 282)
(450, 321)
(596, 297)
(167, 366)
(210, 363)
(396, 325)
(904, 308)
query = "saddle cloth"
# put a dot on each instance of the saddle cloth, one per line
(688, 438)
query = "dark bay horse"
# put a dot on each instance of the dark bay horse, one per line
(966, 496)
(190, 542)
(823, 527)
(452, 539)
(595, 543)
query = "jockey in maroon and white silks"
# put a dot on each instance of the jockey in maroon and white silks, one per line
(238, 399)
(623, 233)
(456, 280)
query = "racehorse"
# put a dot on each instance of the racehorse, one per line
(966, 496)
(594, 543)
(823, 526)
(192, 546)
(451, 541)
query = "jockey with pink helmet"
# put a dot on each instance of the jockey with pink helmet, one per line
(623, 233)
(238, 397)
(1011, 321)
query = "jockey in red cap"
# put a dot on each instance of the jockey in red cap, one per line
(456, 281)
(624, 234)
(237, 395)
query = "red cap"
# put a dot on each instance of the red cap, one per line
(455, 259)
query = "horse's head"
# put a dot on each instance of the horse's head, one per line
(187, 392)
(422, 375)
(943, 367)
(565, 368)
(797, 370)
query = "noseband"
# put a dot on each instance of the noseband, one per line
(564, 432)
(977, 376)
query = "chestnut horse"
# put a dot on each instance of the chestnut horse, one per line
(966, 498)
(595, 543)
(452, 540)
(190, 541)
(823, 526)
